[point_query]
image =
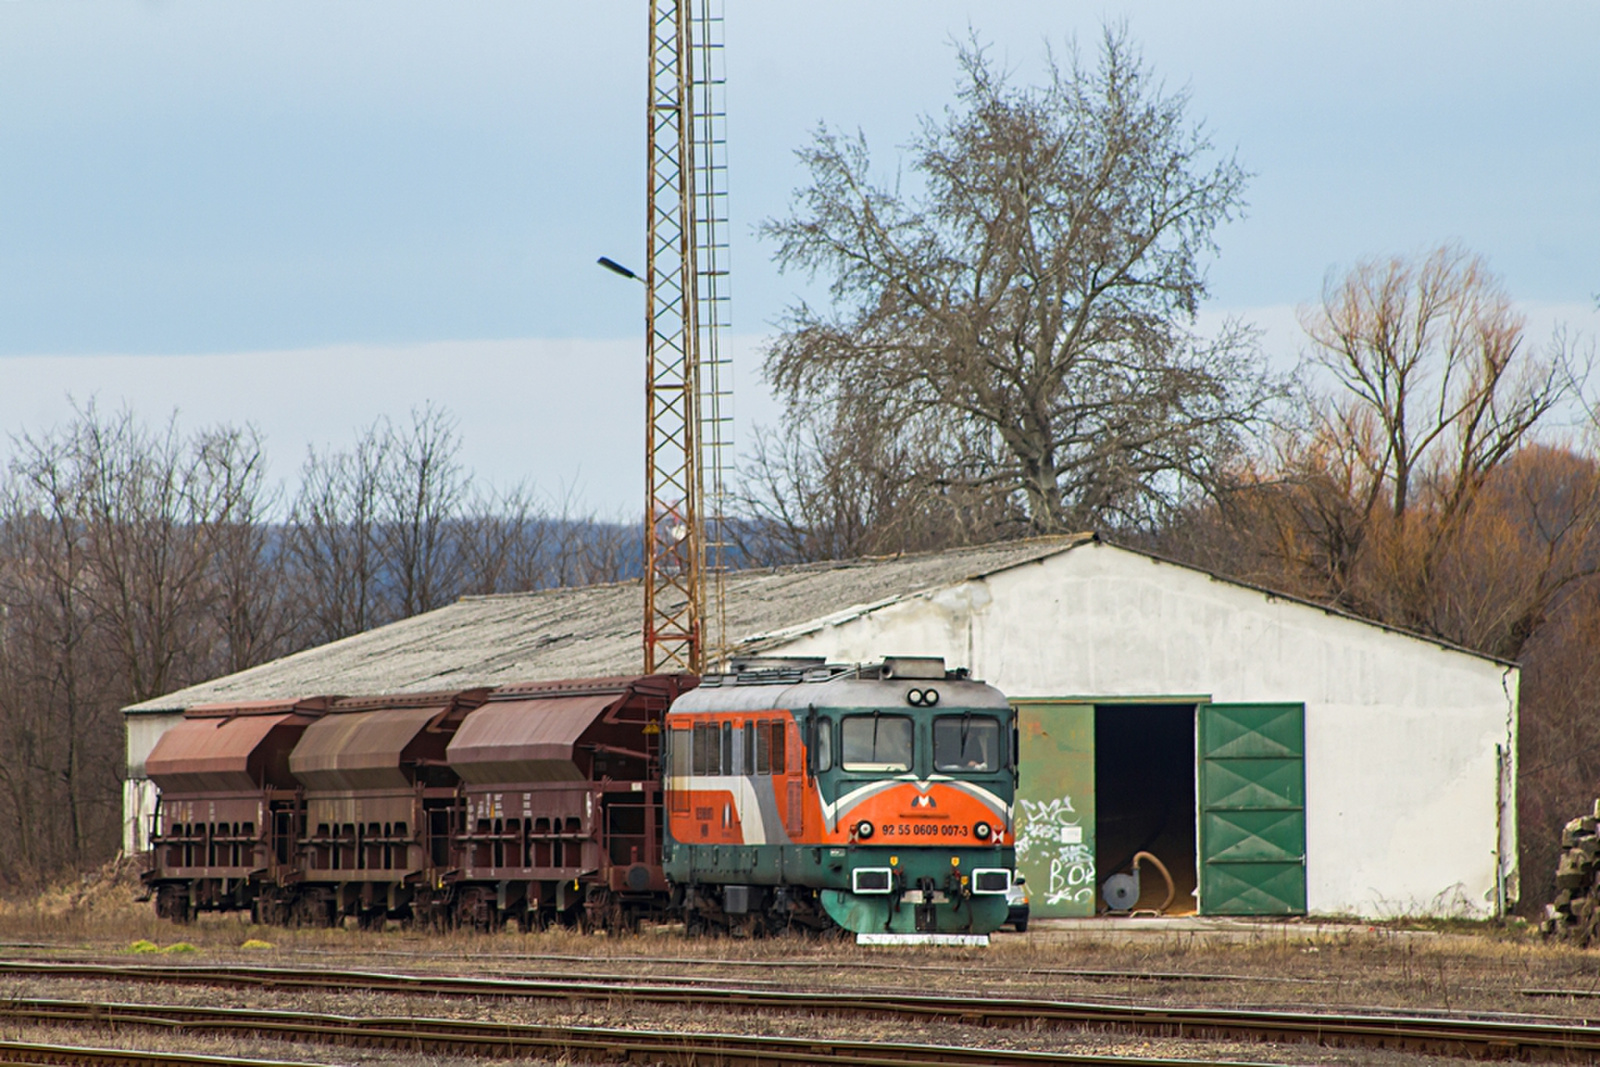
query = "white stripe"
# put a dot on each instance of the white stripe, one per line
(744, 794)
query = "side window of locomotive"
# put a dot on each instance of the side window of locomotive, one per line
(875, 743)
(726, 765)
(678, 751)
(823, 732)
(707, 749)
(966, 743)
(779, 752)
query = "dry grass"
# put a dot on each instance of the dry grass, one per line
(100, 905)
(1402, 966)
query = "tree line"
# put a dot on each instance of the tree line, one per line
(136, 560)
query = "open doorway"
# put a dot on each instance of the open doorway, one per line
(1144, 767)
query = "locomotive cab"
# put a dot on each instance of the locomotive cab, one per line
(876, 797)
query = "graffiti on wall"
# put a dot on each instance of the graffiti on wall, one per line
(1050, 833)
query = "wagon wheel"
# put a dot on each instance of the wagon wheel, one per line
(475, 911)
(429, 914)
(312, 910)
(270, 909)
(172, 902)
(602, 910)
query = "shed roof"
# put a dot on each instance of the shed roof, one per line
(594, 631)
(590, 631)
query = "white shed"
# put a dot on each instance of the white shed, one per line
(1278, 757)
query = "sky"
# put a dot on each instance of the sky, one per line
(305, 215)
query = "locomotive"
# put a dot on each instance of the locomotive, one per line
(877, 798)
(787, 794)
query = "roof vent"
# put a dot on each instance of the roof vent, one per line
(744, 664)
(921, 667)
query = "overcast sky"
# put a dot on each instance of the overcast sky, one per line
(308, 214)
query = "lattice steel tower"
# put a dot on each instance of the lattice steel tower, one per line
(686, 300)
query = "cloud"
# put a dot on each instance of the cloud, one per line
(561, 414)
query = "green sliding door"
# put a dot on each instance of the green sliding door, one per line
(1252, 809)
(1055, 808)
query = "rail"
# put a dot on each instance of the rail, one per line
(33, 1054)
(1478, 1037)
(968, 969)
(490, 1039)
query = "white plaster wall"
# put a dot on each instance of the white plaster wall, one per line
(138, 804)
(1403, 806)
(138, 792)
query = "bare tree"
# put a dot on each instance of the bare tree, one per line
(1030, 312)
(135, 561)
(49, 706)
(504, 540)
(334, 541)
(1436, 389)
(149, 502)
(587, 549)
(109, 593)
(423, 490)
(251, 612)
(1435, 371)
(844, 487)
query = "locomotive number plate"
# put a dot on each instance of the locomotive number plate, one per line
(926, 830)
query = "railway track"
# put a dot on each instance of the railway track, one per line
(856, 964)
(1476, 1037)
(522, 1040)
(789, 963)
(31, 1054)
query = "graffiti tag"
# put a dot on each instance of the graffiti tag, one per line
(1051, 829)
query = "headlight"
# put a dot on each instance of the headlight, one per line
(982, 831)
(863, 829)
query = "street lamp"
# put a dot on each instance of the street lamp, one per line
(617, 268)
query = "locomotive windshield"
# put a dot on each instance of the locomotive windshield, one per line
(875, 743)
(966, 743)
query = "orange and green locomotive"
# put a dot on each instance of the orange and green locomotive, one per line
(877, 797)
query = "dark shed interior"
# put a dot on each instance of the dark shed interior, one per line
(1144, 770)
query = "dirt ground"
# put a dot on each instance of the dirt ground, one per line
(1476, 969)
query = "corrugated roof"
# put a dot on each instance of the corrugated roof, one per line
(594, 630)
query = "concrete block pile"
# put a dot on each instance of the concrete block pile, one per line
(1574, 916)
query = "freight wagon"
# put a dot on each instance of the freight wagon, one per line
(790, 794)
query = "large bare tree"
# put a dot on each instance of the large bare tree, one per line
(1026, 312)
(1436, 389)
